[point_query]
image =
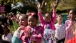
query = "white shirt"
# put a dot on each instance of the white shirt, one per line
(7, 38)
(60, 31)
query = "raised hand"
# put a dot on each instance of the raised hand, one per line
(54, 4)
(39, 6)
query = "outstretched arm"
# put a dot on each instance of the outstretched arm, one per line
(40, 13)
(54, 11)
(54, 16)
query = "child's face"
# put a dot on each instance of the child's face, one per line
(71, 14)
(22, 21)
(59, 18)
(47, 17)
(32, 21)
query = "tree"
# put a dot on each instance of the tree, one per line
(66, 4)
(46, 4)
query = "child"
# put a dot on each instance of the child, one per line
(68, 24)
(32, 33)
(73, 40)
(48, 23)
(60, 29)
(22, 24)
(6, 36)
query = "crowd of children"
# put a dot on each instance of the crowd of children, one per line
(47, 32)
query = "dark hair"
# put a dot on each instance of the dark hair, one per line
(34, 15)
(74, 11)
(60, 15)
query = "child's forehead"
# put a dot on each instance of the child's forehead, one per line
(59, 15)
(47, 14)
(20, 17)
(30, 17)
(72, 11)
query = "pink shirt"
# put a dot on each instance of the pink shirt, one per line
(36, 34)
(43, 23)
(69, 33)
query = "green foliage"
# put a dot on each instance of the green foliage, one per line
(63, 4)
(66, 4)
(15, 26)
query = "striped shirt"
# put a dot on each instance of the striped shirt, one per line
(60, 31)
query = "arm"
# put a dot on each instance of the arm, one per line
(17, 33)
(54, 11)
(54, 16)
(27, 33)
(40, 13)
(68, 29)
(41, 17)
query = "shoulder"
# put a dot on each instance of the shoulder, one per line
(63, 24)
(67, 21)
(40, 27)
(9, 35)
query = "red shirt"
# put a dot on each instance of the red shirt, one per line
(73, 40)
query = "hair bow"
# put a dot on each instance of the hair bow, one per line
(31, 13)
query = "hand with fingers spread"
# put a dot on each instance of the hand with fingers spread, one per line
(39, 6)
(54, 5)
